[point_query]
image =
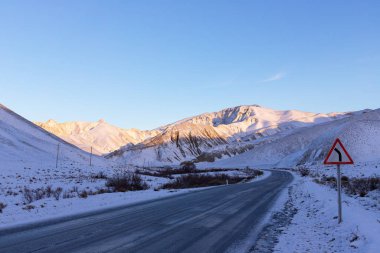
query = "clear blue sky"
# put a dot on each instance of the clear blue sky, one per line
(147, 63)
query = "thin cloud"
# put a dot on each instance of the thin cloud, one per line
(275, 77)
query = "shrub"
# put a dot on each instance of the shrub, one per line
(83, 194)
(304, 172)
(100, 175)
(355, 186)
(361, 186)
(123, 182)
(188, 165)
(201, 180)
(49, 191)
(28, 207)
(252, 173)
(168, 172)
(39, 193)
(345, 181)
(68, 195)
(28, 195)
(57, 193)
(2, 206)
(102, 191)
(31, 195)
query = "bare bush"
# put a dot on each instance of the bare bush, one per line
(188, 165)
(201, 180)
(57, 193)
(361, 186)
(49, 191)
(2, 206)
(28, 207)
(102, 191)
(31, 195)
(252, 173)
(168, 172)
(304, 172)
(83, 194)
(28, 195)
(126, 181)
(68, 195)
(100, 175)
(353, 186)
(39, 193)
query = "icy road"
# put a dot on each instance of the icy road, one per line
(211, 220)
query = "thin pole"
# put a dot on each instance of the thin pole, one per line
(56, 160)
(339, 195)
(91, 157)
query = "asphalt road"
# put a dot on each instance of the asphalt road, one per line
(212, 220)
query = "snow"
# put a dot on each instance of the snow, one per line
(24, 144)
(359, 169)
(314, 228)
(28, 160)
(208, 132)
(49, 208)
(359, 133)
(287, 139)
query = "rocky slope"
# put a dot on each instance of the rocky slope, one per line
(360, 133)
(224, 133)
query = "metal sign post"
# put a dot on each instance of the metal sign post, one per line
(338, 155)
(339, 195)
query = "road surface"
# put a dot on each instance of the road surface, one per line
(209, 220)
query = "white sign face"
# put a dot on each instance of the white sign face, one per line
(338, 154)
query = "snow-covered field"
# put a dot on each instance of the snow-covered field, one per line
(315, 228)
(49, 208)
(17, 213)
(359, 169)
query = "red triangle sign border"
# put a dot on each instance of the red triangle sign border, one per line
(337, 141)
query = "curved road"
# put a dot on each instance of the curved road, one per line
(210, 220)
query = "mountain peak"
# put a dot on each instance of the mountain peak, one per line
(51, 122)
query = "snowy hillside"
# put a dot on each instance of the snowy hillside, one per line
(24, 144)
(217, 133)
(101, 136)
(360, 133)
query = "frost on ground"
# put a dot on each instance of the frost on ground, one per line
(314, 228)
(83, 190)
(74, 182)
(279, 220)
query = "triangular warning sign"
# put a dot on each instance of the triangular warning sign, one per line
(338, 154)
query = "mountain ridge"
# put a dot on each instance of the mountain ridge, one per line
(102, 137)
(223, 129)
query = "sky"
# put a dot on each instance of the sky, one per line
(143, 64)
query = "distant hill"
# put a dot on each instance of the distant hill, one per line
(101, 136)
(23, 144)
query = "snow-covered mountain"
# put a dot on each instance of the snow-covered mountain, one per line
(23, 144)
(360, 133)
(101, 136)
(227, 132)
(253, 134)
